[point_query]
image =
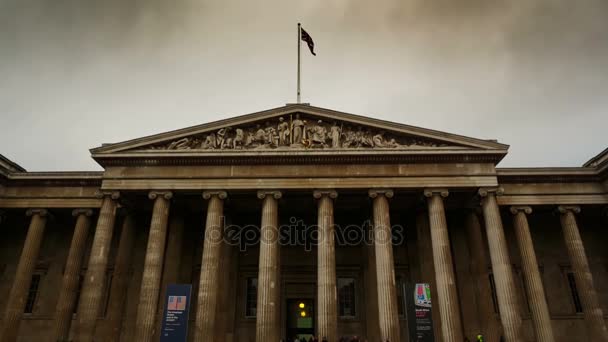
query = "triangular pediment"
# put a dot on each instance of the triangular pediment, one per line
(297, 128)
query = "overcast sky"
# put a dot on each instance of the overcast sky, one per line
(78, 73)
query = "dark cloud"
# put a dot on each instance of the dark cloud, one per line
(77, 73)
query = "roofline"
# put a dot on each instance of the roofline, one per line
(547, 174)
(79, 178)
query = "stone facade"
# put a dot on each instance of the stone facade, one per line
(518, 252)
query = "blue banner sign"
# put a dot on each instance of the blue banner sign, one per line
(175, 317)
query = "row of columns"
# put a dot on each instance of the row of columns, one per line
(268, 310)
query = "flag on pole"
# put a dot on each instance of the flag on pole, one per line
(308, 39)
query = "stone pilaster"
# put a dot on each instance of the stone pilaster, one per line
(208, 284)
(23, 278)
(594, 318)
(121, 276)
(327, 306)
(71, 276)
(490, 327)
(501, 266)
(451, 324)
(93, 284)
(534, 284)
(388, 316)
(268, 326)
(153, 267)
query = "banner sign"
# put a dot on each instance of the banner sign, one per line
(175, 317)
(420, 320)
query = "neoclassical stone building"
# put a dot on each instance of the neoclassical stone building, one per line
(301, 220)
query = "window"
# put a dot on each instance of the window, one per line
(574, 292)
(493, 288)
(32, 294)
(346, 297)
(400, 299)
(251, 297)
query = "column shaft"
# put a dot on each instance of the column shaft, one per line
(534, 284)
(268, 327)
(172, 263)
(208, 284)
(93, 285)
(427, 269)
(121, 276)
(153, 268)
(23, 278)
(594, 318)
(490, 327)
(71, 276)
(327, 306)
(451, 325)
(501, 265)
(385, 270)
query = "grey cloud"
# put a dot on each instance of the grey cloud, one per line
(75, 74)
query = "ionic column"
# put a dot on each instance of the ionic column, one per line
(388, 316)
(93, 284)
(121, 276)
(23, 278)
(534, 284)
(171, 267)
(327, 306)
(268, 326)
(451, 325)
(594, 318)
(490, 328)
(153, 267)
(208, 284)
(501, 266)
(71, 276)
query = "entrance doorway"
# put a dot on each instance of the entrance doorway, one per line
(300, 319)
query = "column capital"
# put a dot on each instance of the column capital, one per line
(154, 194)
(85, 212)
(521, 208)
(429, 192)
(112, 194)
(221, 194)
(373, 193)
(277, 194)
(563, 209)
(484, 192)
(38, 211)
(331, 193)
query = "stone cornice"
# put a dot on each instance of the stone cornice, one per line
(70, 178)
(429, 155)
(547, 175)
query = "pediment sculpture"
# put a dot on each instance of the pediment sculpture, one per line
(295, 132)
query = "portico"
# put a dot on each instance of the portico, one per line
(339, 219)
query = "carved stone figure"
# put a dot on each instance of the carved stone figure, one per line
(335, 133)
(260, 135)
(222, 135)
(181, 144)
(298, 130)
(210, 142)
(318, 134)
(283, 129)
(378, 140)
(239, 139)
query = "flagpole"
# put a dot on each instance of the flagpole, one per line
(299, 36)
